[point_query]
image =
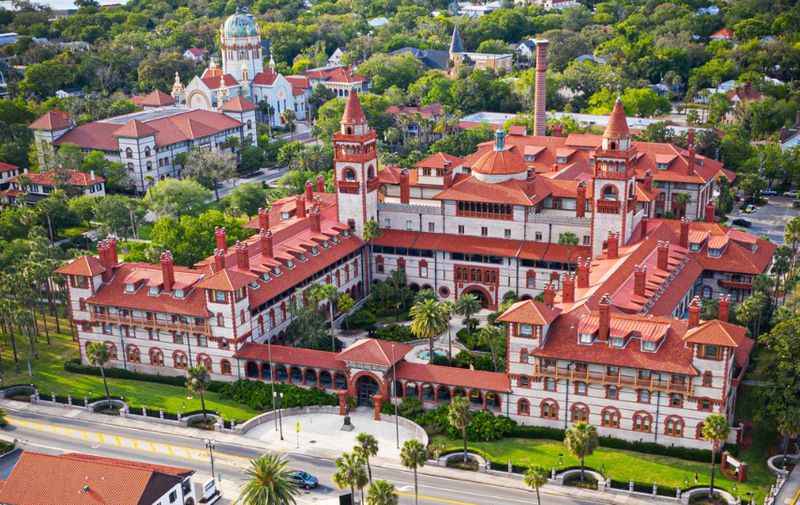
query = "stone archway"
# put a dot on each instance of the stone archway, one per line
(481, 294)
(366, 386)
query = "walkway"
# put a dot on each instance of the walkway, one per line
(790, 492)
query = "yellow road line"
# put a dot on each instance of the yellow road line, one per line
(796, 497)
(436, 499)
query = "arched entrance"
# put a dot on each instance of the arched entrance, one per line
(366, 388)
(481, 294)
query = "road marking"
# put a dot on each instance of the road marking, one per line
(796, 497)
(436, 499)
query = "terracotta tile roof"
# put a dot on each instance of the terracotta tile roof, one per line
(197, 51)
(623, 326)
(227, 280)
(265, 78)
(43, 479)
(135, 129)
(470, 189)
(124, 463)
(440, 161)
(238, 104)
(212, 82)
(290, 356)
(517, 130)
(74, 178)
(451, 376)
(96, 135)
(299, 84)
(88, 266)
(617, 127)
(353, 113)
(716, 332)
(155, 98)
(375, 352)
(52, 121)
(722, 33)
(334, 74)
(530, 312)
(493, 162)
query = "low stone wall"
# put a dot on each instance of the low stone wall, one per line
(597, 476)
(483, 465)
(686, 496)
(18, 390)
(779, 457)
(417, 430)
(294, 411)
(99, 404)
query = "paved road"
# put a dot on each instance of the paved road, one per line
(770, 220)
(268, 176)
(57, 434)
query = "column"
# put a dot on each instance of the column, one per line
(377, 402)
(342, 402)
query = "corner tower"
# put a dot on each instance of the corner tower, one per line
(240, 45)
(355, 159)
(614, 182)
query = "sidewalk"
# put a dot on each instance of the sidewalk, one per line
(790, 492)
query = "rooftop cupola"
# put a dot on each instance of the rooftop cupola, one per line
(499, 140)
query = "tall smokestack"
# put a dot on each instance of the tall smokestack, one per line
(540, 90)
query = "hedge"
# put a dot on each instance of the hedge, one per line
(75, 366)
(258, 395)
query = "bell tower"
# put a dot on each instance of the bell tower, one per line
(614, 181)
(355, 159)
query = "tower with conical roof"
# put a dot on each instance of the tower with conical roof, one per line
(456, 52)
(355, 159)
(614, 183)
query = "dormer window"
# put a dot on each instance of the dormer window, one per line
(346, 233)
(335, 239)
(662, 166)
(715, 253)
(289, 264)
(326, 244)
(130, 287)
(587, 338)
(265, 276)
(302, 257)
(617, 342)
(178, 293)
(314, 251)
(254, 285)
(648, 346)
(694, 247)
(153, 291)
(561, 159)
(277, 271)
(285, 216)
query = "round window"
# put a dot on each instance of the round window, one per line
(444, 291)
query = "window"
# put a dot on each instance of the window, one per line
(431, 227)
(484, 231)
(549, 409)
(617, 342)
(129, 153)
(579, 412)
(523, 407)
(587, 240)
(705, 405)
(587, 338)
(349, 174)
(581, 388)
(156, 357)
(219, 296)
(609, 417)
(673, 426)
(648, 346)
(379, 264)
(525, 330)
(147, 151)
(538, 236)
(523, 381)
(461, 229)
(202, 341)
(710, 352)
(550, 384)
(409, 225)
(225, 367)
(612, 392)
(698, 432)
(642, 421)
(220, 320)
(423, 268)
(643, 396)
(507, 233)
(708, 379)
(523, 356)
(179, 359)
(173, 495)
(530, 279)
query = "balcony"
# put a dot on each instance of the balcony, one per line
(735, 284)
(154, 323)
(349, 187)
(608, 206)
(619, 380)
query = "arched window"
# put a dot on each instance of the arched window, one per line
(698, 432)
(370, 172)
(530, 279)
(548, 409)
(523, 356)
(708, 379)
(112, 350)
(241, 316)
(673, 426)
(523, 407)
(205, 360)
(156, 357)
(128, 152)
(423, 268)
(179, 359)
(579, 412)
(349, 174)
(271, 318)
(134, 356)
(147, 151)
(225, 367)
(610, 192)
(401, 264)
(220, 320)
(609, 417)
(642, 421)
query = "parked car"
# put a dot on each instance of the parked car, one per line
(741, 222)
(796, 204)
(769, 192)
(750, 209)
(303, 479)
(792, 194)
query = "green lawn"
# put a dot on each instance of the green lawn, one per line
(618, 464)
(50, 377)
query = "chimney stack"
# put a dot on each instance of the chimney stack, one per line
(112, 250)
(648, 180)
(242, 259)
(105, 260)
(320, 184)
(167, 271)
(540, 89)
(315, 220)
(684, 237)
(724, 312)
(309, 191)
(549, 294)
(694, 312)
(662, 261)
(300, 206)
(604, 309)
(219, 259)
(265, 237)
(582, 277)
(568, 288)
(710, 210)
(221, 238)
(263, 219)
(644, 228)
(405, 190)
(640, 280)
(612, 251)
(558, 130)
(580, 200)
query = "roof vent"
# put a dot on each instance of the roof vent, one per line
(85, 489)
(499, 140)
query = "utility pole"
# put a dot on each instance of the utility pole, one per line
(210, 445)
(271, 378)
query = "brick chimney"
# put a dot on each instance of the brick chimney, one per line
(580, 200)
(167, 271)
(612, 252)
(300, 206)
(662, 261)
(724, 313)
(265, 237)
(405, 190)
(315, 220)
(540, 89)
(242, 259)
(644, 227)
(640, 280)
(447, 178)
(710, 210)
(103, 253)
(549, 294)
(582, 277)
(220, 238)
(112, 251)
(694, 312)
(684, 237)
(557, 130)
(568, 288)
(647, 183)
(309, 191)
(263, 219)
(320, 184)
(219, 259)
(604, 310)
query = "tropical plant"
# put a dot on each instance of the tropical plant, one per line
(197, 382)
(492, 337)
(581, 441)
(327, 293)
(97, 355)
(428, 321)
(350, 472)
(268, 483)
(413, 455)
(366, 447)
(458, 415)
(381, 492)
(715, 431)
(535, 477)
(468, 305)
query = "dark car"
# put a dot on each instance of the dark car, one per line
(303, 479)
(741, 222)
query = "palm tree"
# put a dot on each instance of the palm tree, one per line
(715, 430)
(97, 354)
(350, 473)
(468, 305)
(413, 455)
(447, 308)
(491, 336)
(791, 235)
(197, 382)
(381, 492)
(327, 293)
(458, 415)
(788, 424)
(366, 447)
(288, 118)
(428, 321)
(535, 478)
(268, 483)
(681, 201)
(581, 441)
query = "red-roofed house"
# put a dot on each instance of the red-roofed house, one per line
(340, 79)
(196, 54)
(33, 186)
(722, 34)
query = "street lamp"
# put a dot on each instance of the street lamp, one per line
(279, 397)
(272, 377)
(394, 399)
(210, 445)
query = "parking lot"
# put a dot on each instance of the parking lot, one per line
(769, 220)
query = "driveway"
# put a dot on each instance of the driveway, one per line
(770, 220)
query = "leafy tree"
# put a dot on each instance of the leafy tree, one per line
(177, 197)
(251, 158)
(191, 238)
(118, 214)
(210, 168)
(197, 382)
(268, 482)
(428, 321)
(97, 354)
(326, 293)
(114, 173)
(382, 492)
(463, 142)
(637, 101)
(715, 431)
(581, 440)
(493, 46)
(413, 455)
(492, 337)
(568, 238)
(535, 477)
(247, 198)
(366, 447)
(307, 328)
(458, 416)
(350, 472)
(468, 305)
(385, 71)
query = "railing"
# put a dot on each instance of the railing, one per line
(650, 383)
(731, 284)
(155, 323)
(484, 215)
(349, 186)
(410, 207)
(549, 218)
(608, 207)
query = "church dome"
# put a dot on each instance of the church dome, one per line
(240, 25)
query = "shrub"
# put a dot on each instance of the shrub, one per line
(410, 408)
(258, 395)
(395, 333)
(6, 447)
(485, 427)
(75, 366)
(362, 319)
